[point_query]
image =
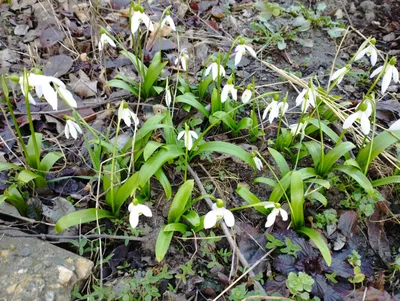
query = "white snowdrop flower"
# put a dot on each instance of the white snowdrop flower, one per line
(169, 21)
(30, 97)
(42, 85)
(277, 210)
(105, 39)
(241, 49)
(218, 212)
(189, 136)
(214, 68)
(246, 96)
(395, 126)
(298, 128)
(390, 73)
(168, 96)
(127, 115)
(183, 58)
(139, 17)
(135, 211)
(370, 51)
(273, 110)
(307, 98)
(258, 163)
(72, 128)
(339, 74)
(361, 115)
(229, 88)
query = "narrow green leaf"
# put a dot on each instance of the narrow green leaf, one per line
(250, 198)
(314, 149)
(318, 197)
(81, 217)
(162, 244)
(7, 166)
(117, 83)
(225, 148)
(15, 198)
(190, 99)
(2, 198)
(380, 143)
(27, 175)
(297, 200)
(162, 178)
(135, 61)
(225, 118)
(49, 160)
(192, 217)
(307, 173)
(386, 181)
(150, 148)
(280, 161)
(325, 128)
(178, 205)
(153, 73)
(244, 124)
(125, 190)
(320, 182)
(358, 176)
(203, 86)
(31, 159)
(215, 101)
(333, 156)
(150, 167)
(278, 192)
(266, 181)
(319, 242)
(182, 228)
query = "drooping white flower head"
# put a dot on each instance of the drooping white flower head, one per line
(229, 88)
(168, 96)
(273, 110)
(241, 49)
(189, 136)
(339, 74)
(277, 210)
(42, 85)
(389, 74)
(72, 128)
(127, 115)
(169, 21)
(139, 17)
(218, 212)
(183, 58)
(298, 128)
(395, 126)
(369, 50)
(246, 96)
(307, 97)
(214, 67)
(135, 211)
(362, 113)
(258, 163)
(105, 39)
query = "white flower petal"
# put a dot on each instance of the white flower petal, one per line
(271, 218)
(238, 56)
(144, 210)
(361, 54)
(284, 214)
(348, 123)
(77, 127)
(395, 74)
(365, 124)
(72, 129)
(131, 207)
(246, 96)
(193, 134)
(134, 218)
(251, 51)
(66, 130)
(50, 95)
(374, 56)
(395, 126)
(376, 72)
(336, 74)
(258, 163)
(387, 78)
(68, 97)
(135, 22)
(300, 97)
(229, 218)
(210, 219)
(234, 94)
(224, 94)
(208, 70)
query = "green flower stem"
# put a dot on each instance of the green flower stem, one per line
(230, 50)
(10, 109)
(186, 162)
(28, 112)
(113, 164)
(218, 121)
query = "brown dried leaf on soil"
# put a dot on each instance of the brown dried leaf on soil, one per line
(50, 36)
(58, 65)
(83, 86)
(377, 237)
(348, 223)
(372, 294)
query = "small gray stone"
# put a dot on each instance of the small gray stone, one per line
(389, 37)
(24, 252)
(21, 29)
(367, 6)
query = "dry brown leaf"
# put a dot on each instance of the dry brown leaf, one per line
(83, 86)
(81, 11)
(156, 33)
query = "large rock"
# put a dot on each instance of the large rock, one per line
(32, 269)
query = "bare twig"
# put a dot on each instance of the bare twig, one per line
(232, 243)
